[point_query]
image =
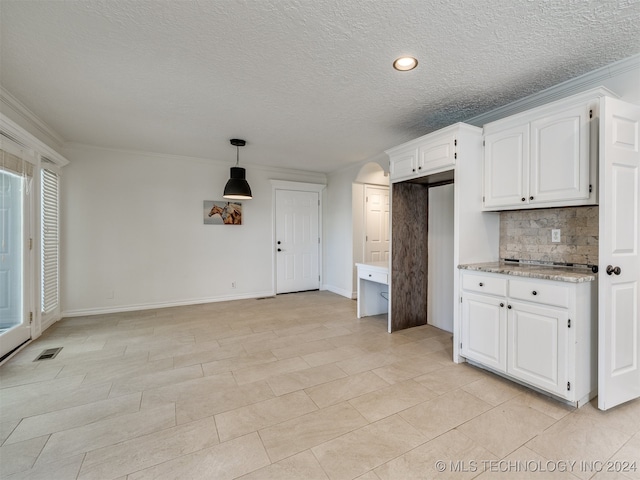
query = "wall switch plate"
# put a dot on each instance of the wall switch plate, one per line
(555, 235)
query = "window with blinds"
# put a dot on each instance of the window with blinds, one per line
(50, 240)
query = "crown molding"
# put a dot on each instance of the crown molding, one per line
(559, 91)
(18, 134)
(9, 101)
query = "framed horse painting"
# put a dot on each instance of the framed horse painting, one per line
(222, 213)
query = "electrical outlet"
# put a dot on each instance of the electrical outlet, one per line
(233, 284)
(555, 235)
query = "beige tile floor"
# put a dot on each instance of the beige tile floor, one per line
(293, 387)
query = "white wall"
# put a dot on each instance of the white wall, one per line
(133, 232)
(338, 253)
(440, 243)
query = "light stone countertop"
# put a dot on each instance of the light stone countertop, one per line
(544, 272)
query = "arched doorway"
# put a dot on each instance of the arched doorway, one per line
(370, 218)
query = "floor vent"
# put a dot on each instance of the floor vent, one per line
(48, 354)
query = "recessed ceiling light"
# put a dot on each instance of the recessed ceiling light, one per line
(404, 64)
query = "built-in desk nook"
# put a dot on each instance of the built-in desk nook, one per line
(373, 288)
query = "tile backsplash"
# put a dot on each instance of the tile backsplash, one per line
(526, 235)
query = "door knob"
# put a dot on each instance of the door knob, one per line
(611, 270)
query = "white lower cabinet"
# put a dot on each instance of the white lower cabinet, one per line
(538, 345)
(541, 333)
(484, 330)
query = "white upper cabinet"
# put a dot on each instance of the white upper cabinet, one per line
(506, 167)
(404, 165)
(544, 157)
(437, 154)
(560, 156)
(432, 153)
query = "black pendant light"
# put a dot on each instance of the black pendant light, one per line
(237, 187)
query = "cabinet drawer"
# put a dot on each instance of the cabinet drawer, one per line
(485, 284)
(378, 277)
(545, 293)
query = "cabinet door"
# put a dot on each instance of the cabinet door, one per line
(484, 330)
(537, 346)
(560, 156)
(506, 164)
(403, 165)
(436, 155)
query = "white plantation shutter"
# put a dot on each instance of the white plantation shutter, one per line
(50, 240)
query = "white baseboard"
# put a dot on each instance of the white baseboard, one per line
(340, 291)
(151, 306)
(48, 323)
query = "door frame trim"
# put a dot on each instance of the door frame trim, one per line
(299, 187)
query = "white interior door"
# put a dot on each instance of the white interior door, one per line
(376, 219)
(14, 326)
(297, 241)
(619, 273)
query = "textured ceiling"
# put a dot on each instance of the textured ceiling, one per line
(308, 83)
